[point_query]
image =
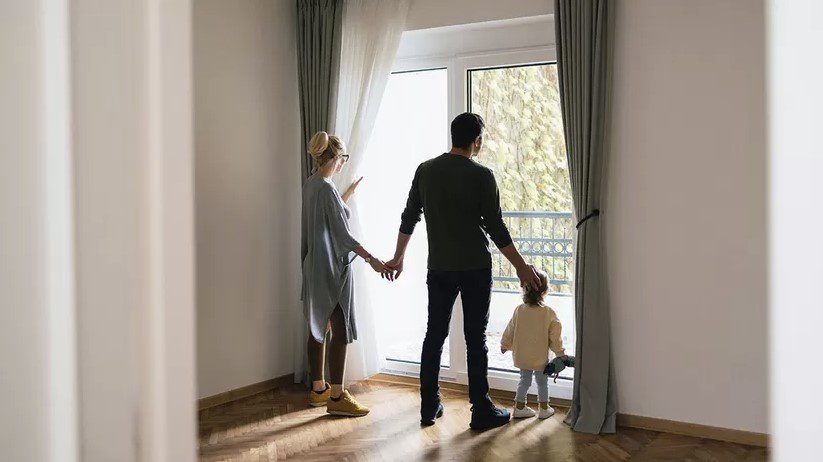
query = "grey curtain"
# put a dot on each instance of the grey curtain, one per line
(584, 34)
(319, 24)
(318, 48)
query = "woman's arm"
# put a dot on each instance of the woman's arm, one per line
(350, 190)
(339, 227)
(375, 263)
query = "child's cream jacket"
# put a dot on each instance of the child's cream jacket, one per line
(532, 332)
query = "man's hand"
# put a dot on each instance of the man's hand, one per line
(388, 272)
(525, 272)
(396, 265)
(528, 277)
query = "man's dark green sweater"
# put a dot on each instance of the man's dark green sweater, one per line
(461, 203)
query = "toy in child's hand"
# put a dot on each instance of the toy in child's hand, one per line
(558, 364)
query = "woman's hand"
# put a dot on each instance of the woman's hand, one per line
(351, 189)
(380, 267)
(375, 263)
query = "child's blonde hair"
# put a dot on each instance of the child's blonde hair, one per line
(535, 297)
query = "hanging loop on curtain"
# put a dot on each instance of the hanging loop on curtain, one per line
(592, 214)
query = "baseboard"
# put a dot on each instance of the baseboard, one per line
(244, 392)
(623, 420)
(693, 429)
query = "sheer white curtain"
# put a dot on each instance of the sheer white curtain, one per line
(370, 37)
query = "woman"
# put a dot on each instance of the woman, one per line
(328, 248)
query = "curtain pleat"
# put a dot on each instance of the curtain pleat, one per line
(318, 47)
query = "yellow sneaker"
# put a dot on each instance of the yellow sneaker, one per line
(319, 399)
(347, 406)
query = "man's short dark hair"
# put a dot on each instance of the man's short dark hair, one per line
(466, 128)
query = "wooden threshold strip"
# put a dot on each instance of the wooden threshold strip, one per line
(499, 394)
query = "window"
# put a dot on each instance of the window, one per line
(517, 94)
(412, 126)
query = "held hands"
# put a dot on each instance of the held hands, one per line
(378, 266)
(390, 270)
(396, 265)
(385, 271)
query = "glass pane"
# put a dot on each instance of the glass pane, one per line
(411, 127)
(524, 145)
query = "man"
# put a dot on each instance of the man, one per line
(462, 204)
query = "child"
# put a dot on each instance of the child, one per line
(533, 330)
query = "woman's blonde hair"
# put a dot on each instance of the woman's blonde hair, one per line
(535, 297)
(324, 147)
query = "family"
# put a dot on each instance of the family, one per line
(461, 203)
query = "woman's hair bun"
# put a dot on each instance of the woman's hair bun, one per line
(318, 144)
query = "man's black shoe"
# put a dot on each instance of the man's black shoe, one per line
(427, 416)
(488, 417)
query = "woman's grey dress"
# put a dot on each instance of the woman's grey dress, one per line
(327, 245)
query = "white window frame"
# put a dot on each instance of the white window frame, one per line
(458, 67)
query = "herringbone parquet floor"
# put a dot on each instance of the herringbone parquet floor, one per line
(278, 425)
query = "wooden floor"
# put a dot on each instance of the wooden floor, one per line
(278, 425)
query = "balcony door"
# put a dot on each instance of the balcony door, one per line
(525, 147)
(517, 94)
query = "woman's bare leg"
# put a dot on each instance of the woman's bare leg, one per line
(317, 353)
(337, 352)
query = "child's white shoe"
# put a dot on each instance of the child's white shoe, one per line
(545, 413)
(523, 413)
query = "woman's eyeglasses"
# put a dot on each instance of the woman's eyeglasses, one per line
(345, 157)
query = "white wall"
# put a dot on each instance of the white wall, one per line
(686, 212)
(247, 144)
(424, 14)
(796, 250)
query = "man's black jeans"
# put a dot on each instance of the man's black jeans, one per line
(474, 287)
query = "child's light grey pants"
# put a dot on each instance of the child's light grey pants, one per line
(526, 381)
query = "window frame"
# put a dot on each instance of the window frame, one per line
(458, 69)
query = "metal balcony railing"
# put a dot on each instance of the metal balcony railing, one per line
(546, 240)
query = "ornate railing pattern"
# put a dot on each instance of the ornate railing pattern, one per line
(546, 240)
